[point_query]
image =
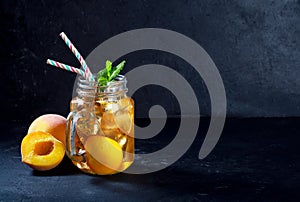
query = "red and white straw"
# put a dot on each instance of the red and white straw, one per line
(86, 69)
(66, 67)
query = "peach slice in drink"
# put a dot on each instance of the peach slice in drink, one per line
(104, 155)
(124, 116)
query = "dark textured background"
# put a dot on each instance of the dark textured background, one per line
(256, 47)
(254, 44)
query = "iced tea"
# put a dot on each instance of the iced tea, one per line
(100, 131)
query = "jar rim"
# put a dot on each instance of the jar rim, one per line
(117, 81)
(118, 85)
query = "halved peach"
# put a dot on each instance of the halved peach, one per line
(50, 123)
(104, 155)
(41, 151)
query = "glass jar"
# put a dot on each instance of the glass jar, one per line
(100, 128)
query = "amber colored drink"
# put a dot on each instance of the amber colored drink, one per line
(106, 126)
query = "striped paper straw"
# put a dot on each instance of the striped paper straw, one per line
(86, 69)
(66, 67)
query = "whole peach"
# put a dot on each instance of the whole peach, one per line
(50, 123)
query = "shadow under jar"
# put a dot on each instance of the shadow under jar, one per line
(100, 127)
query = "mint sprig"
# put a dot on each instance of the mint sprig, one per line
(109, 73)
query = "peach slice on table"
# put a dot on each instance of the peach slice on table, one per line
(41, 151)
(50, 123)
(104, 155)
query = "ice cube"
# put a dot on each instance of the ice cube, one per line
(108, 125)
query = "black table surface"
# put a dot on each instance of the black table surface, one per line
(255, 159)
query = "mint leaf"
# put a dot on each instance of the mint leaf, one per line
(116, 70)
(109, 73)
(108, 66)
(102, 76)
(102, 81)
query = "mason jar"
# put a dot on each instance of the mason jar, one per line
(100, 127)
